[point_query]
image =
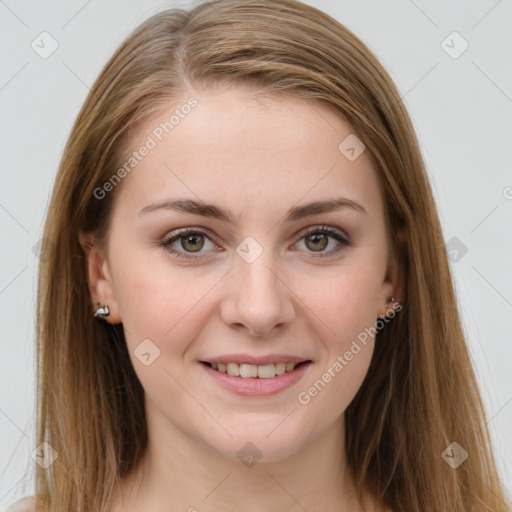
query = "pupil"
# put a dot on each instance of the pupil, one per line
(318, 239)
(194, 239)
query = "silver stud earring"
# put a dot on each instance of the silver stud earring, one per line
(389, 300)
(101, 312)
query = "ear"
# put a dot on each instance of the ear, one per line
(99, 279)
(393, 285)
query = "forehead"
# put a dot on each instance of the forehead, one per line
(250, 150)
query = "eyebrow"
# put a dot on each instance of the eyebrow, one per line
(210, 210)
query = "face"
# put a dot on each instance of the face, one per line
(269, 282)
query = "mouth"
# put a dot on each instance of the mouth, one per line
(256, 380)
(253, 371)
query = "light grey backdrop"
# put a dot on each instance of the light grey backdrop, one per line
(460, 100)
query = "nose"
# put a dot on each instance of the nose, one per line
(258, 298)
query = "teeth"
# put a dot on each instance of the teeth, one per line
(233, 369)
(265, 371)
(280, 368)
(248, 370)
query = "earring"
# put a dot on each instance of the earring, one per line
(389, 300)
(101, 312)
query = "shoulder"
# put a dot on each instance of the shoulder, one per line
(27, 504)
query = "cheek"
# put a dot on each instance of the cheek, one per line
(160, 302)
(345, 306)
(161, 313)
(345, 301)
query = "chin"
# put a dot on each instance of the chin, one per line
(266, 444)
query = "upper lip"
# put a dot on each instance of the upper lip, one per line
(259, 361)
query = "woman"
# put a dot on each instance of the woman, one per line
(310, 356)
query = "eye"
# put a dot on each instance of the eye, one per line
(190, 240)
(316, 240)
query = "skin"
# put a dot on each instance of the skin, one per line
(257, 157)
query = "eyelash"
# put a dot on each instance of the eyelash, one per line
(324, 230)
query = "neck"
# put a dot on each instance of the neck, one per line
(180, 472)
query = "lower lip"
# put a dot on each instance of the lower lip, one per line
(254, 386)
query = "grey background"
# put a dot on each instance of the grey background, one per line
(461, 108)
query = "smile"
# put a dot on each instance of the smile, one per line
(254, 380)
(265, 371)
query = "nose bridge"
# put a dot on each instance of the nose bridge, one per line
(258, 278)
(259, 299)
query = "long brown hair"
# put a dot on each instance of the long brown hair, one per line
(420, 394)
